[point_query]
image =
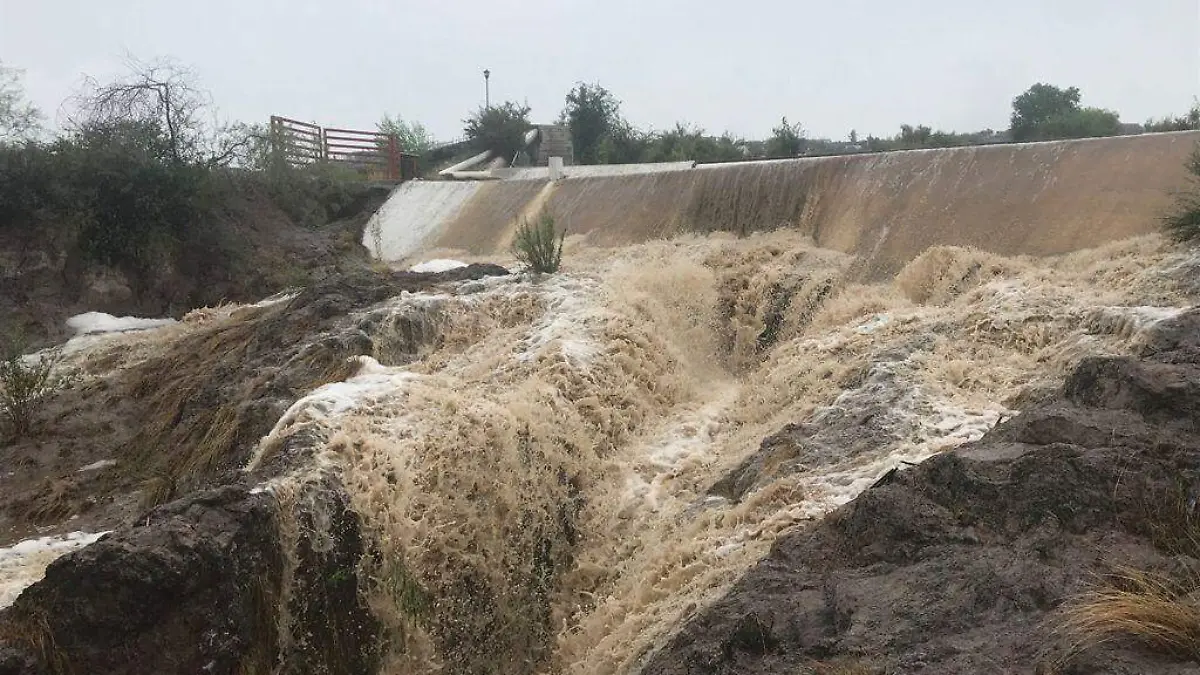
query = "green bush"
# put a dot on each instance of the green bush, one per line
(24, 384)
(115, 185)
(130, 204)
(1183, 223)
(538, 245)
(315, 194)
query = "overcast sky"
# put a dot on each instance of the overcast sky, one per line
(735, 65)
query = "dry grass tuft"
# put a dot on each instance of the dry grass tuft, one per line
(31, 630)
(55, 501)
(1169, 518)
(24, 384)
(1150, 609)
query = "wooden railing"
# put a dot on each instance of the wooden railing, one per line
(376, 155)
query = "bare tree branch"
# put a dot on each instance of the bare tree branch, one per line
(160, 95)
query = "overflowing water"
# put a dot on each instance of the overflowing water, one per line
(886, 208)
(24, 562)
(413, 213)
(541, 485)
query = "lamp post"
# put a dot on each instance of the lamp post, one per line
(487, 94)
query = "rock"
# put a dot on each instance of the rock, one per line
(197, 587)
(956, 565)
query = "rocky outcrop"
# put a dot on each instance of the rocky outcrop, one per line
(202, 585)
(958, 565)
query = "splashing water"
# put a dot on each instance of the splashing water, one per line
(538, 487)
(25, 562)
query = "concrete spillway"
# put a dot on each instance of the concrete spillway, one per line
(1036, 198)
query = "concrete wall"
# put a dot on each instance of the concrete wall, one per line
(1037, 198)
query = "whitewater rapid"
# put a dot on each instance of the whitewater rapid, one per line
(549, 465)
(545, 484)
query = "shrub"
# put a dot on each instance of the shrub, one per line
(1183, 223)
(24, 383)
(315, 194)
(538, 245)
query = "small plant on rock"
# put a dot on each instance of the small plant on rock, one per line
(539, 245)
(24, 383)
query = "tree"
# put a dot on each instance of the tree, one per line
(592, 114)
(1083, 123)
(1046, 112)
(853, 136)
(19, 119)
(914, 137)
(162, 96)
(500, 129)
(413, 137)
(1186, 122)
(787, 140)
(624, 144)
(1040, 104)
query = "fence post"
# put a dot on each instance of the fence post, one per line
(393, 159)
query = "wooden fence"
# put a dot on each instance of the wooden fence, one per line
(375, 155)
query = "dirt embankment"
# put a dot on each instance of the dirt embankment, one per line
(963, 563)
(256, 249)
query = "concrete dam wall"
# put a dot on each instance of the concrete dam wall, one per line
(1037, 198)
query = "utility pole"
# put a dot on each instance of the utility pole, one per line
(487, 93)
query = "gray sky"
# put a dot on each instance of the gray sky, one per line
(736, 65)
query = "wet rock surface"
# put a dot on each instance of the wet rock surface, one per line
(960, 564)
(197, 587)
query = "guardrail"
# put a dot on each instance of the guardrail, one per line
(376, 155)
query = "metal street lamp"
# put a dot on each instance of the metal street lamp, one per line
(487, 93)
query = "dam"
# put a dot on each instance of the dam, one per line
(885, 208)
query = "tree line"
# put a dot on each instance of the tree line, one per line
(602, 135)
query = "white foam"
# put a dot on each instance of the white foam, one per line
(24, 563)
(1127, 322)
(572, 311)
(437, 265)
(96, 466)
(330, 401)
(875, 323)
(682, 445)
(90, 323)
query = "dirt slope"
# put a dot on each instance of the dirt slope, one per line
(959, 565)
(46, 278)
